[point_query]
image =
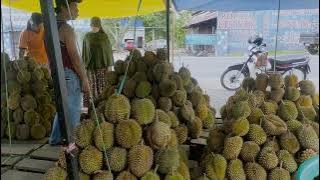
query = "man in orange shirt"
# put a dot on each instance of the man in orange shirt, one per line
(32, 40)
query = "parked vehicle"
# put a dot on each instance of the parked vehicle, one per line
(311, 42)
(156, 44)
(258, 62)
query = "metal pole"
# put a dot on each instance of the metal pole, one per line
(168, 28)
(276, 46)
(57, 72)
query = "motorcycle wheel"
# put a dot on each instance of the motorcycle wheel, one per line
(229, 80)
(299, 72)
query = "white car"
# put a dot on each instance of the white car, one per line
(155, 44)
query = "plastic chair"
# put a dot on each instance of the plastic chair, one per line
(309, 169)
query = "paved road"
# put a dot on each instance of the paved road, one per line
(207, 70)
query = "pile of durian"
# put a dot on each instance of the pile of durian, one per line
(270, 126)
(142, 128)
(29, 102)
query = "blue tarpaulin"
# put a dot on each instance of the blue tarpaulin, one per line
(244, 5)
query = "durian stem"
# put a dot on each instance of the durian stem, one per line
(156, 168)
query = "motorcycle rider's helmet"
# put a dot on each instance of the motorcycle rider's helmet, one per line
(256, 39)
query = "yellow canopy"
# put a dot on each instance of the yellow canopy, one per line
(100, 8)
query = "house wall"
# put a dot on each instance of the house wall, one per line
(234, 29)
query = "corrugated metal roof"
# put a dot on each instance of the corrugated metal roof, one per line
(202, 17)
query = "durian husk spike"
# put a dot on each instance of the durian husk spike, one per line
(281, 163)
(260, 123)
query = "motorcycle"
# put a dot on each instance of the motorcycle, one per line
(258, 62)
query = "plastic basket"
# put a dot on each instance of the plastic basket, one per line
(309, 169)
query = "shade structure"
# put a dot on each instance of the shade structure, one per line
(244, 5)
(100, 8)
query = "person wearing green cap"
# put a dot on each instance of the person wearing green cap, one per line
(97, 57)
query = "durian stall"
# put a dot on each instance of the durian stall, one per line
(155, 122)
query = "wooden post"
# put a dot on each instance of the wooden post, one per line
(57, 72)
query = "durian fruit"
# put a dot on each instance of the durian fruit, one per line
(249, 151)
(256, 134)
(103, 175)
(165, 104)
(119, 67)
(103, 136)
(272, 143)
(177, 79)
(182, 133)
(162, 116)
(140, 159)
(183, 169)
(276, 81)
(173, 139)
(216, 139)
(117, 158)
(241, 109)
(184, 73)
(55, 173)
(279, 174)
(288, 161)
(232, 147)
(174, 119)
(168, 160)
(254, 171)
(216, 167)
(38, 131)
(255, 116)
(294, 125)
(161, 71)
(289, 142)
(202, 111)
(268, 159)
(315, 99)
(31, 117)
(17, 115)
(13, 101)
(315, 126)
(195, 128)
(307, 87)
(12, 131)
(111, 78)
(167, 88)
(150, 58)
(305, 155)
(129, 88)
(235, 170)
(304, 100)
(90, 160)
(292, 94)
(308, 137)
(126, 175)
(22, 132)
(143, 89)
(203, 177)
(37, 74)
(151, 175)
(287, 110)
(158, 135)
(140, 76)
(179, 98)
(240, 127)
(128, 133)
(209, 121)
(162, 54)
(83, 135)
(269, 107)
(262, 81)
(291, 80)
(259, 96)
(248, 84)
(174, 176)
(23, 76)
(277, 94)
(273, 125)
(187, 113)
(306, 113)
(117, 108)
(196, 98)
(143, 111)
